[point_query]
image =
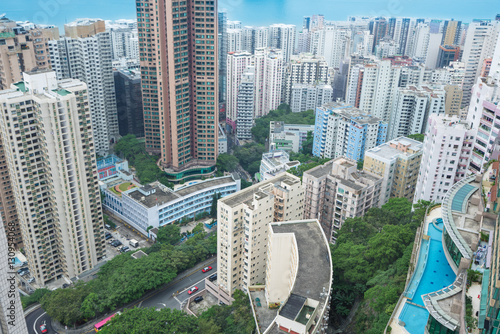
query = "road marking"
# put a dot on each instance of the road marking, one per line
(34, 324)
(178, 300)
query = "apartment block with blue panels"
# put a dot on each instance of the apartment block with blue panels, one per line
(343, 130)
(156, 205)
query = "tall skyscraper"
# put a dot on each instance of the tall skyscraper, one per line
(268, 80)
(180, 83)
(237, 62)
(445, 155)
(451, 32)
(48, 141)
(282, 36)
(85, 54)
(222, 49)
(482, 36)
(245, 106)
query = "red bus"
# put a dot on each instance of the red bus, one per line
(101, 324)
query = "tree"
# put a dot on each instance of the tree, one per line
(417, 136)
(360, 164)
(213, 208)
(169, 234)
(307, 145)
(227, 163)
(91, 306)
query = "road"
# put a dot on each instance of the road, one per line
(161, 299)
(166, 297)
(37, 318)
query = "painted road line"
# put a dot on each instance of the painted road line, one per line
(34, 324)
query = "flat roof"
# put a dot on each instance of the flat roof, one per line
(184, 191)
(315, 268)
(247, 194)
(159, 197)
(321, 170)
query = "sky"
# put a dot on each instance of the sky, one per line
(257, 12)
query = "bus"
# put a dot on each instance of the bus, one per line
(101, 324)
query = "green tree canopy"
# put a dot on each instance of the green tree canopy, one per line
(169, 234)
(417, 136)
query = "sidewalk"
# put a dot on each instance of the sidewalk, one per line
(89, 327)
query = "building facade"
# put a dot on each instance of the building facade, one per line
(288, 137)
(242, 225)
(397, 162)
(85, 54)
(180, 84)
(309, 97)
(445, 155)
(336, 191)
(55, 183)
(129, 102)
(342, 130)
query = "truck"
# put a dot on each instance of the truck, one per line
(133, 243)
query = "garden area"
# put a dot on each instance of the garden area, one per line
(118, 189)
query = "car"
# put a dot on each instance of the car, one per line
(204, 270)
(117, 243)
(111, 241)
(198, 299)
(192, 290)
(43, 328)
(108, 236)
(65, 285)
(20, 271)
(125, 249)
(212, 278)
(24, 273)
(31, 280)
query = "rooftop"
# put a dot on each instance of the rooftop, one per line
(322, 170)
(389, 151)
(315, 267)
(248, 193)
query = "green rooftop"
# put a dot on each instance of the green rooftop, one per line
(305, 314)
(21, 86)
(7, 34)
(62, 92)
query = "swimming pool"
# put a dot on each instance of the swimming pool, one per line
(437, 275)
(17, 262)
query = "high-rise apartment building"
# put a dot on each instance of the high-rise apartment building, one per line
(342, 130)
(333, 43)
(22, 49)
(268, 80)
(445, 156)
(412, 106)
(282, 36)
(447, 54)
(397, 162)
(178, 45)
(242, 224)
(48, 141)
(245, 106)
(129, 102)
(451, 32)
(222, 38)
(85, 54)
(237, 63)
(482, 37)
(336, 191)
(305, 69)
(309, 97)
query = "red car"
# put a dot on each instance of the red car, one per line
(204, 270)
(192, 290)
(43, 328)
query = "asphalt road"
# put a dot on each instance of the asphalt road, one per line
(37, 318)
(176, 294)
(172, 297)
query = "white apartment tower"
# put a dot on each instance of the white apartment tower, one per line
(237, 63)
(268, 80)
(334, 44)
(309, 97)
(47, 133)
(86, 55)
(305, 69)
(282, 36)
(412, 107)
(245, 108)
(446, 152)
(242, 224)
(482, 36)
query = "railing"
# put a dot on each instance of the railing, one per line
(448, 221)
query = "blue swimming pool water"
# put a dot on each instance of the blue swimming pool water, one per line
(437, 275)
(17, 262)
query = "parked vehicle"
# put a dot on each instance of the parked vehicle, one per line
(198, 299)
(20, 271)
(212, 278)
(108, 236)
(133, 243)
(125, 249)
(192, 290)
(116, 243)
(31, 280)
(107, 226)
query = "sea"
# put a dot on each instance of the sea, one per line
(256, 12)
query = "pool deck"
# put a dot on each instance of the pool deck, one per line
(396, 327)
